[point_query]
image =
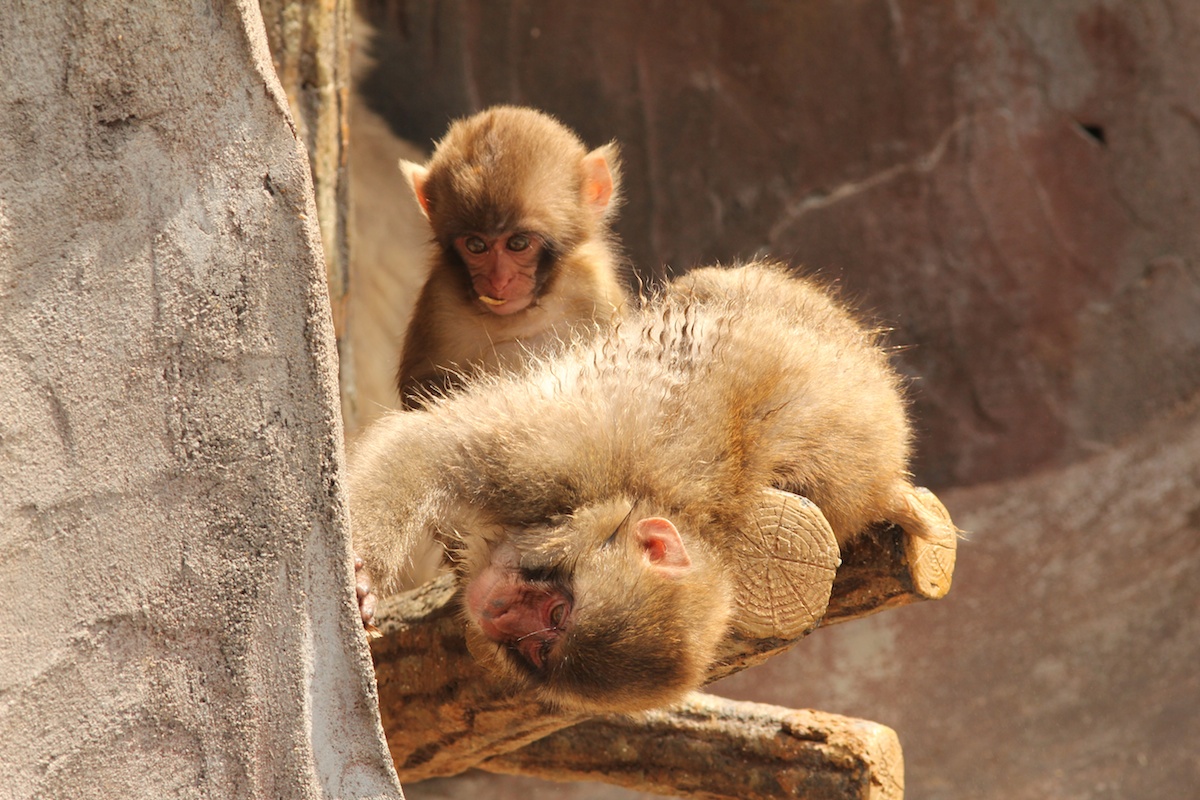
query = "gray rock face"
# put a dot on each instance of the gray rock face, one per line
(175, 602)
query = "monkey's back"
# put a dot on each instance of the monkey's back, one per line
(727, 382)
(796, 394)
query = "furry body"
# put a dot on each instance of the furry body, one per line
(727, 382)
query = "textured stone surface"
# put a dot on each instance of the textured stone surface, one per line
(176, 617)
(310, 47)
(1013, 187)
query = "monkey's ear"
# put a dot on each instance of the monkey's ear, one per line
(662, 546)
(417, 176)
(601, 178)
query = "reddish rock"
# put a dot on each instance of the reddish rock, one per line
(1013, 186)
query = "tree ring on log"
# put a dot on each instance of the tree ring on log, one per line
(785, 558)
(930, 543)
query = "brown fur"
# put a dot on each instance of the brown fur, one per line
(509, 169)
(728, 382)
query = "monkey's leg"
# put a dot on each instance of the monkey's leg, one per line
(785, 558)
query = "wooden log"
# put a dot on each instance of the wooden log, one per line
(894, 566)
(711, 747)
(443, 713)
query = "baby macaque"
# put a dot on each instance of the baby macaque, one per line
(591, 505)
(520, 213)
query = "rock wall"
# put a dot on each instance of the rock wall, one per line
(1013, 187)
(1009, 185)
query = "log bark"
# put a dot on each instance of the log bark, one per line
(718, 749)
(444, 714)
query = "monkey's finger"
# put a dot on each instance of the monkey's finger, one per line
(363, 592)
(363, 582)
(366, 607)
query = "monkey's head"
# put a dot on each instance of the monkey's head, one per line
(509, 192)
(604, 612)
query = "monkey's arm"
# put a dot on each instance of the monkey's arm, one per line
(416, 375)
(398, 479)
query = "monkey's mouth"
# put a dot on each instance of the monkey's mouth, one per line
(504, 306)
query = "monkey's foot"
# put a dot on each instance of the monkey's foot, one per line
(930, 541)
(364, 592)
(784, 562)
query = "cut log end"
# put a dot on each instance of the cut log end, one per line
(787, 557)
(930, 544)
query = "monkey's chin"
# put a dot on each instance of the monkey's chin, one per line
(502, 307)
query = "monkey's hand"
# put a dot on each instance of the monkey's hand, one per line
(784, 567)
(364, 590)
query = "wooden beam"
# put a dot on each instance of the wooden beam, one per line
(443, 713)
(722, 749)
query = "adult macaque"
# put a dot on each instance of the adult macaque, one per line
(520, 214)
(592, 505)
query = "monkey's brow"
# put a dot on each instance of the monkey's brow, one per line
(556, 574)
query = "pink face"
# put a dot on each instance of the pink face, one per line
(503, 270)
(527, 617)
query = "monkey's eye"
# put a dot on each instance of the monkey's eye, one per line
(518, 242)
(558, 615)
(475, 245)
